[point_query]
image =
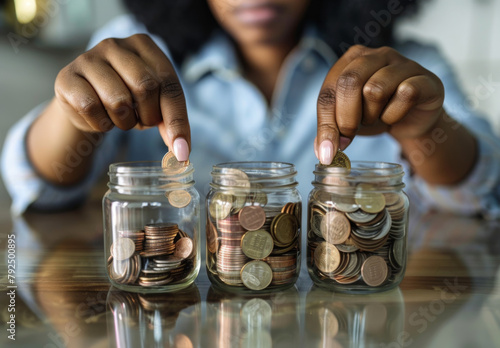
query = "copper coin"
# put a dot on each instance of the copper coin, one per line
(374, 271)
(326, 257)
(252, 217)
(335, 227)
(179, 198)
(183, 247)
(257, 244)
(171, 165)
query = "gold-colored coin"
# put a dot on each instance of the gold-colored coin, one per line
(220, 205)
(368, 199)
(171, 165)
(284, 229)
(179, 198)
(257, 244)
(326, 257)
(340, 160)
(256, 275)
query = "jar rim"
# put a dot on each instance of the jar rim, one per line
(255, 165)
(144, 167)
(363, 167)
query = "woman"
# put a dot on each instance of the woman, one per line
(253, 76)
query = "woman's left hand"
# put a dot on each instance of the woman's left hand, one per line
(370, 91)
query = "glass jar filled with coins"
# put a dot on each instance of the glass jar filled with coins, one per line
(152, 226)
(357, 226)
(253, 226)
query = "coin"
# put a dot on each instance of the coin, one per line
(256, 275)
(257, 244)
(369, 201)
(183, 247)
(252, 217)
(335, 227)
(179, 198)
(171, 165)
(220, 205)
(284, 229)
(326, 257)
(340, 160)
(122, 249)
(374, 271)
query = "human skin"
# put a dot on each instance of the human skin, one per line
(129, 83)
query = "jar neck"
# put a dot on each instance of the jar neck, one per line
(379, 176)
(130, 177)
(246, 175)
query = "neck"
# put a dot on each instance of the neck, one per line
(262, 64)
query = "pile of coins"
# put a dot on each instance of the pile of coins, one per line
(250, 242)
(356, 238)
(157, 255)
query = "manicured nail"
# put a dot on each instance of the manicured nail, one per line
(344, 143)
(181, 149)
(326, 152)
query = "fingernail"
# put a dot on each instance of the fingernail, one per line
(326, 152)
(181, 149)
(344, 143)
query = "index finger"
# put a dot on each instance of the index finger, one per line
(328, 139)
(174, 129)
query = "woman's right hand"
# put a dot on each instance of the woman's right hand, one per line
(127, 83)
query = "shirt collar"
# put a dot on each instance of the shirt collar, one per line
(218, 56)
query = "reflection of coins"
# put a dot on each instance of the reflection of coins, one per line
(335, 227)
(374, 271)
(341, 160)
(326, 257)
(179, 198)
(182, 341)
(122, 249)
(170, 164)
(256, 275)
(256, 313)
(328, 322)
(257, 244)
(252, 217)
(220, 205)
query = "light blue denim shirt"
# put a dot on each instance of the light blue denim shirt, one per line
(231, 121)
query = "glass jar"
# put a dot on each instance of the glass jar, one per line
(357, 226)
(151, 227)
(253, 226)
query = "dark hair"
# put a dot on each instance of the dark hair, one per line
(186, 24)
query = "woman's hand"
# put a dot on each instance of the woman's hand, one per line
(125, 83)
(369, 91)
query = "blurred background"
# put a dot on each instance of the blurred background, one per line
(39, 37)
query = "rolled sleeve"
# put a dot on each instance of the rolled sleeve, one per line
(25, 185)
(477, 194)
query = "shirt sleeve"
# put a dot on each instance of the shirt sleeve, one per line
(27, 188)
(479, 193)
(24, 184)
